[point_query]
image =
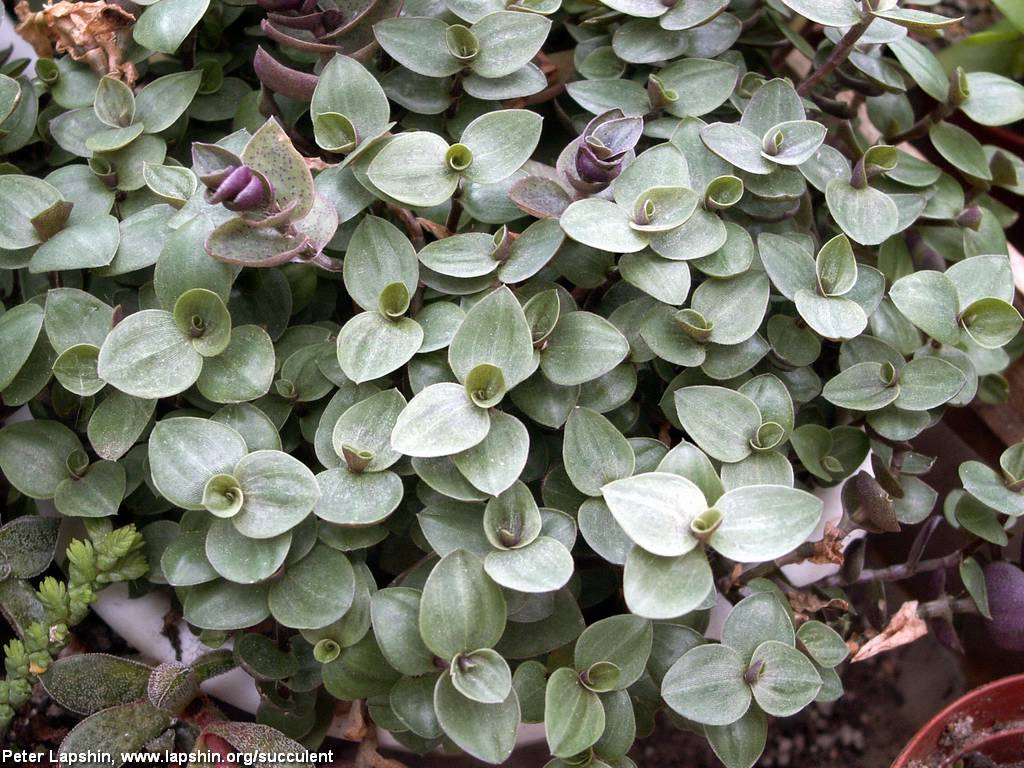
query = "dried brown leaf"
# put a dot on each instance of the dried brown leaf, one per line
(96, 33)
(829, 551)
(904, 627)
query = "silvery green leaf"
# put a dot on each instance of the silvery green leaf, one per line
(740, 744)
(465, 255)
(973, 578)
(278, 493)
(706, 685)
(97, 494)
(753, 620)
(543, 565)
(185, 452)
(22, 198)
(787, 681)
(665, 280)
(733, 306)
(243, 372)
(600, 530)
(485, 731)
(794, 142)
(19, 329)
(146, 355)
(315, 591)
(378, 255)
(573, 716)
(736, 145)
(915, 19)
(394, 612)
(164, 25)
(655, 510)
(981, 277)
(184, 563)
(164, 100)
(346, 88)
(980, 519)
(418, 43)
(117, 423)
(643, 41)
(929, 300)
(348, 498)
(482, 676)
(508, 40)
(582, 347)
(495, 332)
(624, 641)
(34, 456)
(868, 216)
(594, 452)
(80, 186)
(991, 323)
(721, 421)
(834, 317)
(371, 346)
(183, 265)
(826, 164)
(461, 609)
(255, 427)
(764, 522)
(412, 168)
(830, 13)
(960, 149)
(439, 421)
(824, 644)
(993, 99)
(243, 560)
(531, 251)
(928, 382)
(500, 141)
(495, 463)
(75, 369)
(861, 387)
(598, 96)
(601, 224)
(439, 321)
(366, 426)
(692, 14)
(643, 9)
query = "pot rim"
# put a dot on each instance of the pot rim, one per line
(990, 704)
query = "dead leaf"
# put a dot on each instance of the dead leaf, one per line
(808, 603)
(96, 33)
(315, 164)
(829, 551)
(904, 627)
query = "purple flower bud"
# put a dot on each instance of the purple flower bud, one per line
(591, 169)
(233, 183)
(1005, 583)
(253, 196)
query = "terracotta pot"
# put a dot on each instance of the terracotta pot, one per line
(989, 720)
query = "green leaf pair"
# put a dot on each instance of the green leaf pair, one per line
(420, 169)
(494, 52)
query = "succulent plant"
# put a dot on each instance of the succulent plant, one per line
(453, 360)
